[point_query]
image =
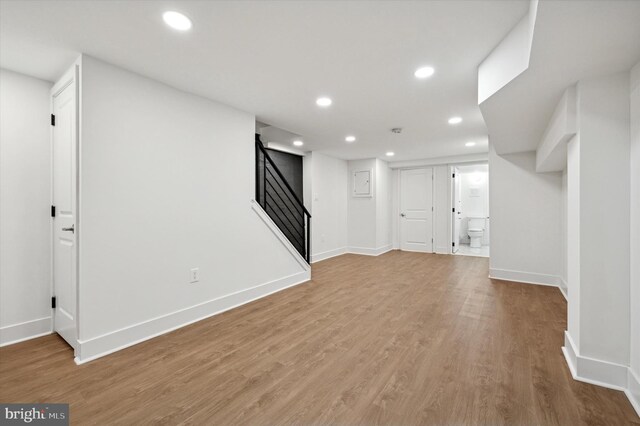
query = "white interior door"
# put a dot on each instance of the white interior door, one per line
(64, 194)
(455, 211)
(416, 210)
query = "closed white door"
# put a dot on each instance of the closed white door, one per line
(456, 217)
(64, 143)
(416, 210)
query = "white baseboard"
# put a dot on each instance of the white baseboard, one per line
(601, 373)
(564, 288)
(633, 390)
(524, 277)
(16, 333)
(594, 371)
(443, 250)
(106, 344)
(328, 254)
(370, 251)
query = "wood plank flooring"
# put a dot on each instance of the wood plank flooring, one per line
(401, 339)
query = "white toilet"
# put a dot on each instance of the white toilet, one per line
(476, 231)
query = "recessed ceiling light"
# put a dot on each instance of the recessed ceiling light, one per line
(424, 72)
(350, 139)
(455, 120)
(177, 20)
(323, 102)
(298, 143)
(390, 154)
(470, 144)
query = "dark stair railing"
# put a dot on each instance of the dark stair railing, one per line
(280, 202)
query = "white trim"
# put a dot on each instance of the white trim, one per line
(524, 277)
(602, 373)
(278, 233)
(16, 333)
(328, 254)
(370, 251)
(443, 250)
(564, 288)
(633, 390)
(99, 346)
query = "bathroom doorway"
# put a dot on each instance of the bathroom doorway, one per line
(470, 210)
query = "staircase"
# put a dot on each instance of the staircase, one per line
(280, 202)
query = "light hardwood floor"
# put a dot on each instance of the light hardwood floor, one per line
(403, 338)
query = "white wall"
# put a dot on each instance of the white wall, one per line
(25, 199)
(326, 190)
(604, 217)
(573, 238)
(361, 210)
(383, 205)
(563, 228)
(369, 218)
(509, 58)
(635, 233)
(166, 183)
(525, 219)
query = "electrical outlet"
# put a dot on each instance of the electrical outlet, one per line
(194, 277)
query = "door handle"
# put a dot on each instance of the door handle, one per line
(71, 229)
(402, 215)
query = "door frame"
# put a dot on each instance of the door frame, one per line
(399, 211)
(452, 168)
(71, 76)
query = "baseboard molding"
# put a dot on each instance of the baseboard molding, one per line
(524, 277)
(328, 254)
(17, 333)
(443, 250)
(601, 373)
(564, 288)
(633, 390)
(370, 251)
(278, 233)
(97, 347)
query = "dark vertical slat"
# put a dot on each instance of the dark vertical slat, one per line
(257, 173)
(308, 239)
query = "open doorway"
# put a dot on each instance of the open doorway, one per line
(470, 210)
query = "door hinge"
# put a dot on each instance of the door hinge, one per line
(53, 211)
(53, 302)
(453, 244)
(453, 209)
(453, 175)
(53, 120)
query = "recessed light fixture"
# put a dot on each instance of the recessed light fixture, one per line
(455, 120)
(177, 20)
(298, 143)
(350, 139)
(390, 154)
(470, 144)
(323, 102)
(424, 72)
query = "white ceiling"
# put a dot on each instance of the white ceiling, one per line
(572, 41)
(273, 59)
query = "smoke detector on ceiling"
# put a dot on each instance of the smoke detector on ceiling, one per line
(396, 130)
